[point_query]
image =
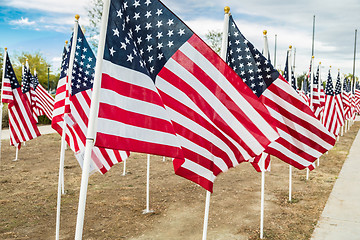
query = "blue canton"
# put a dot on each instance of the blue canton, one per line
(254, 69)
(10, 74)
(65, 62)
(26, 80)
(329, 88)
(338, 85)
(286, 75)
(143, 35)
(84, 65)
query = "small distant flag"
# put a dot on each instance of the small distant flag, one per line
(22, 124)
(330, 114)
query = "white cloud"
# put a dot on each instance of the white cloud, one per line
(22, 22)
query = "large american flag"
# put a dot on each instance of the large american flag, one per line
(316, 104)
(22, 125)
(303, 138)
(330, 114)
(346, 97)
(79, 99)
(339, 102)
(165, 92)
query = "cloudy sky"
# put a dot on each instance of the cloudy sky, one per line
(44, 25)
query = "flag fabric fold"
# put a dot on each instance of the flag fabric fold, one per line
(303, 138)
(339, 102)
(316, 104)
(22, 124)
(165, 92)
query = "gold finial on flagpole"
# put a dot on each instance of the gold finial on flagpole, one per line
(66, 42)
(312, 57)
(77, 16)
(319, 62)
(6, 49)
(290, 47)
(27, 59)
(264, 32)
(330, 66)
(227, 9)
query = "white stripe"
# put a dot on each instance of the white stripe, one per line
(107, 126)
(230, 90)
(14, 128)
(25, 115)
(186, 143)
(198, 170)
(300, 129)
(215, 103)
(291, 108)
(174, 92)
(133, 105)
(203, 132)
(127, 75)
(290, 154)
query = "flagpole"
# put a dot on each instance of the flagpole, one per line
(354, 60)
(319, 93)
(2, 88)
(223, 56)
(147, 210)
(262, 194)
(91, 132)
(63, 142)
(124, 170)
(290, 81)
(311, 98)
(275, 51)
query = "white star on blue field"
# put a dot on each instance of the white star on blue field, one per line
(44, 25)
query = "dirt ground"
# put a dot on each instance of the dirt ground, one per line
(28, 193)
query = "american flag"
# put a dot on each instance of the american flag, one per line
(22, 125)
(330, 114)
(316, 105)
(286, 73)
(304, 92)
(357, 97)
(302, 137)
(165, 92)
(339, 101)
(346, 97)
(26, 89)
(44, 102)
(76, 116)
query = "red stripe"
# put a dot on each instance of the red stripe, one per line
(128, 144)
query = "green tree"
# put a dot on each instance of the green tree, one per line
(94, 14)
(38, 62)
(215, 40)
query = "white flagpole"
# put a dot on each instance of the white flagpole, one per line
(223, 56)
(311, 98)
(164, 158)
(1, 103)
(94, 109)
(290, 81)
(16, 153)
(206, 215)
(124, 170)
(63, 142)
(263, 157)
(147, 210)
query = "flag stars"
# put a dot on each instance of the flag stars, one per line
(136, 4)
(170, 22)
(129, 57)
(148, 26)
(170, 44)
(159, 35)
(148, 37)
(147, 2)
(148, 14)
(181, 32)
(137, 28)
(170, 33)
(159, 24)
(136, 16)
(159, 12)
(116, 32)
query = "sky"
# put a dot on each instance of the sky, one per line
(44, 25)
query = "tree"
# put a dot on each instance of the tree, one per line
(38, 62)
(95, 13)
(215, 39)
